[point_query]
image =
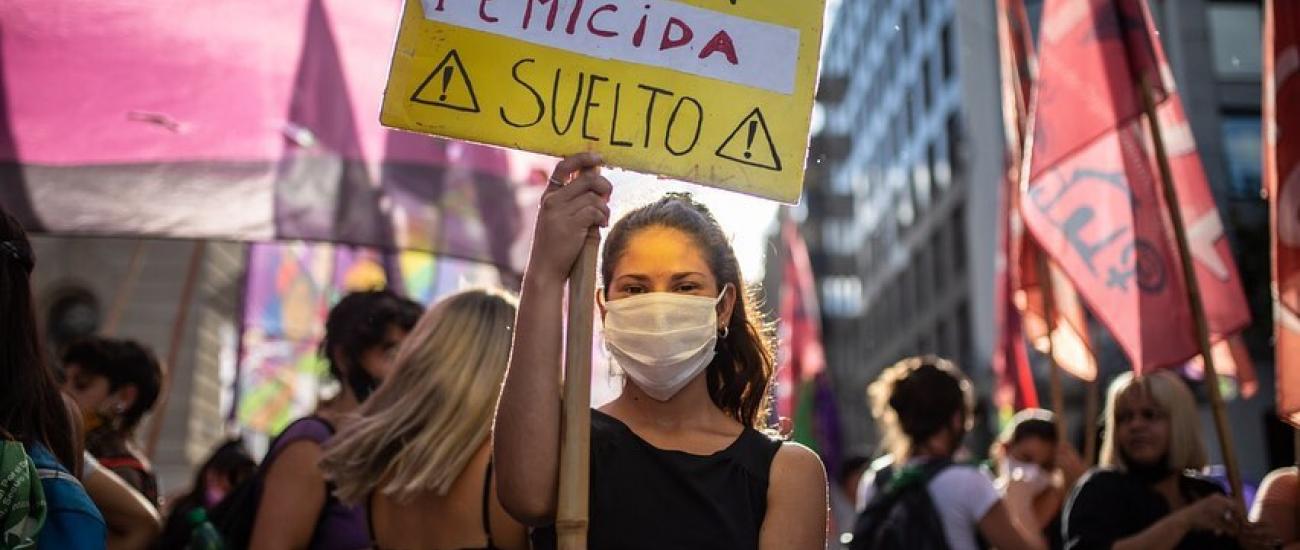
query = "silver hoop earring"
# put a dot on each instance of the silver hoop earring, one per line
(725, 331)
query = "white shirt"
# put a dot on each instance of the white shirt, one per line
(962, 495)
(89, 466)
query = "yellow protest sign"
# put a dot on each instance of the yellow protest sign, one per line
(717, 92)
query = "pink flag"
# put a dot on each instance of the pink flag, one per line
(1094, 202)
(1020, 259)
(1282, 178)
(1015, 388)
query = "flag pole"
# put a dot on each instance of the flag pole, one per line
(1022, 142)
(1193, 290)
(125, 289)
(575, 431)
(1054, 376)
(1090, 421)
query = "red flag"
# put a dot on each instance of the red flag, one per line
(1018, 278)
(1015, 388)
(1069, 341)
(1094, 55)
(804, 391)
(1093, 199)
(802, 356)
(1282, 178)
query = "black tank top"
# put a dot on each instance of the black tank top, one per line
(647, 498)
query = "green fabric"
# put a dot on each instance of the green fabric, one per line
(915, 473)
(22, 500)
(805, 416)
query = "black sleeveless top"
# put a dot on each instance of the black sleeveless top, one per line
(647, 498)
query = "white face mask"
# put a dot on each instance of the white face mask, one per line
(662, 339)
(1026, 472)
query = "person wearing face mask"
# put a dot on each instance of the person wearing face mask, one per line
(1146, 495)
(678, 460)
(115, 383)
(1029, 450)
(925, 406)
(296, 508)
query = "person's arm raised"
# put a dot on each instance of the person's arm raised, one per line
(526, 436)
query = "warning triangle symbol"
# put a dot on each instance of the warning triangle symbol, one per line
(751, 143)
(448, 86)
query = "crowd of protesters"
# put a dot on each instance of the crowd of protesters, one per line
(445, 433)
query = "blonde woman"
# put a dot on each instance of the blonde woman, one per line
(418, 455)
(1147, 495)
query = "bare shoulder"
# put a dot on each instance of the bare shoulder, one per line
(1281, 478)
(1280, 485)
(798, 467)
(298, 459)
(796, 501)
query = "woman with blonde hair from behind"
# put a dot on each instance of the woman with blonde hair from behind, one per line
(419, 455)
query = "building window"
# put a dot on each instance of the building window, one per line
(921, 278)
(957, 241)
(956, 142)
(1243, 149)
(941, 266)
(940, 171)
(905, 208)
(911, 299)
(905, 26)
(1235, 39)
(921, 184)
(910, 116)
(927, 91)
(965, 337)
(924, 270)
(946, 51)
(842, 296)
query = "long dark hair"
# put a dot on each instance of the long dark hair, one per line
(31, 408)
(739, 375)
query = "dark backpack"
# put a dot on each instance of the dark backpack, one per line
(235, 515)
(901, 514)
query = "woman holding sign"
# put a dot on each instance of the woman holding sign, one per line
(679, 459)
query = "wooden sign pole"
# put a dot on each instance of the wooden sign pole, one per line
(575, 431)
